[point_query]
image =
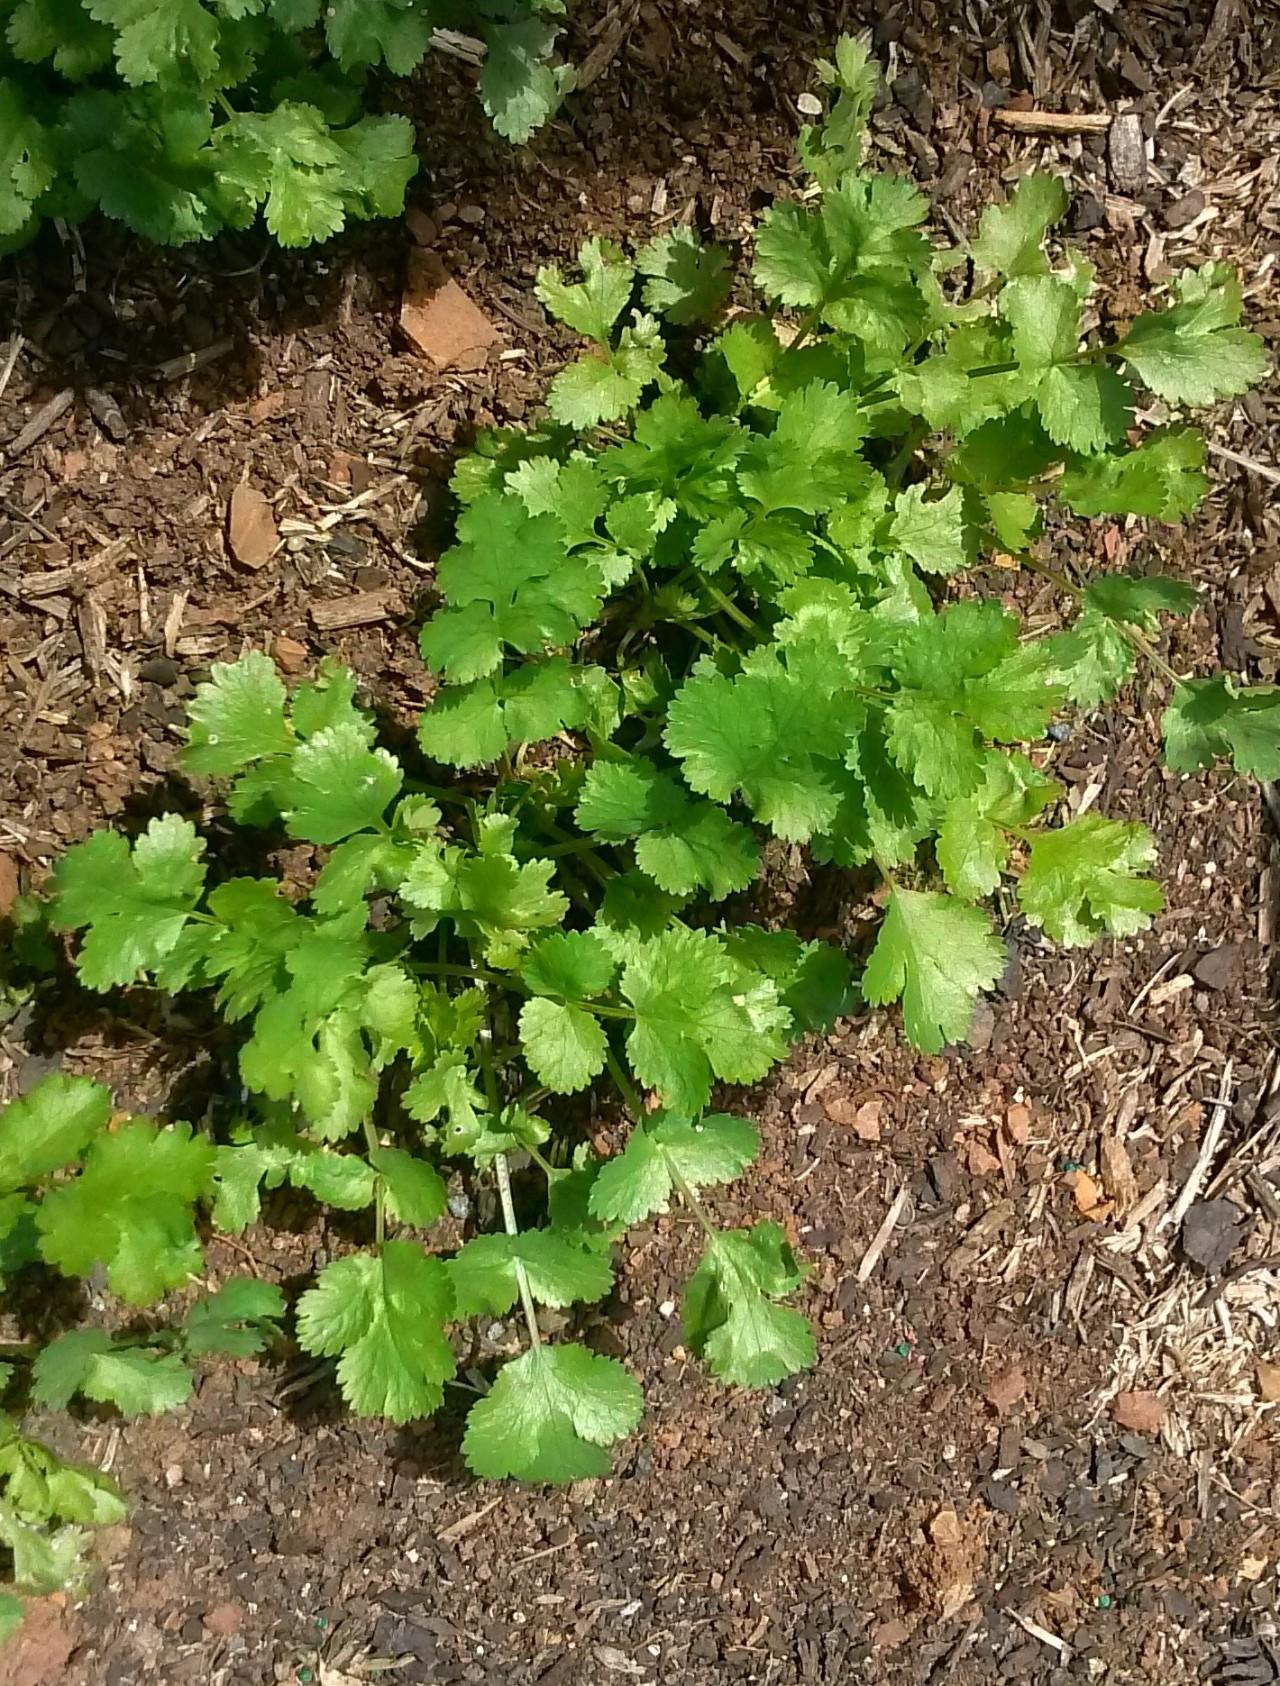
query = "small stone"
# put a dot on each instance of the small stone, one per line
(160, 670)
(474, 214)
(1006, 1389)
(290, 655)
(173, 1476)
(1268, 1382)
(1210, 1234)
(1221, 968)
(1087, 212)
(1184, 210)
(223, 1619)
(422, 229)
(887, 1636)
(8, 885)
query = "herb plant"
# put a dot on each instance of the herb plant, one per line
(181, 118)
(733, 601)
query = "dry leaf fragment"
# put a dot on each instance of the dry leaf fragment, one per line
(1089, 1200)
(439, 318)
(8, 885)
(1017, 1124)
(1142, 1412)
(251, 527)
(1007, 1389)
(1268, 1382)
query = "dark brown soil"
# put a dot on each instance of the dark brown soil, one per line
(954, 1494)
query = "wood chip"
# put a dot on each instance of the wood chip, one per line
(1006, 1389)
(75, 577)
(361, 608)
(1127, 153)
(8, 885)
(251, 527)
(289, 654)
(1117, 1175)
(439, 318)
(1142, 1412)
(40, 423)
(1052, 122)
(1088, 1195)
(1268, 1382)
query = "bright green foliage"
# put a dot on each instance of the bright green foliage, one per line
(384, 1313)
(184, 117)
(730, 1311)
(1083, 880)
(742, 633)
(550, 1415)
(137, 1380)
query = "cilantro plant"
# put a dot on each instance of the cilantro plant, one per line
(732, 602)
(181, 118)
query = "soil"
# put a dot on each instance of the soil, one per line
(1037, 1444)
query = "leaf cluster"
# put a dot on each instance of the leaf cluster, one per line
(727, 606)
(181, 118)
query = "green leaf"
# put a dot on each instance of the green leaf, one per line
(565, 1046)
(288, 161)
(665, 1152)
(1082, 880)
(338, 785)
(1164, 478)
(44, 1561)
(137, 1380)
(937, 954)
(573, 964)
(509, 582)
(604, 388)
(470, 725)
(342, 1180)
(361, 32)
(240, 1171)
(240, 1319)
(1086, 406)
(519, 90)
(1211, 717)
(49, 1127)
(384, 1312)
(63, 32)
(932, 534)
(972, 846)
(152, 36)
(593, 305)
(11, 1614)
(550, 1414)
(1011, 236)
(1195, 353)
(131, 1209)
(730, 1314)
(134, 903)
(682, 845)
(415, 1193)
(687, 281)
(1095, 656)
(698, 1015)
(236, 717)
(1140, 600)
(485, 1273)
(830, 149)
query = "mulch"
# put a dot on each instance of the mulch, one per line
(1037, 1445)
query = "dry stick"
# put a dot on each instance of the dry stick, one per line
(513, 1228)
(11, 361)
(1053, 122)
(871, 1258)
(1260, 468)
(1208, 1147)
(40, 423)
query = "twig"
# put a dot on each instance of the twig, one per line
(1042, 1634)
(871, 1258)
(1264, 470)
(1053, 122)
(40, 423)
(11, 361)
(173, 368)
(1208, 1148)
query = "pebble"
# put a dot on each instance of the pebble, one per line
(1184, 210)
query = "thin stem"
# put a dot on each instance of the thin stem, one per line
(725, 602)
(694, 1204)
(444, 969)
(503, 1175)
(379, 1198)
(1054, 577)
(1135, 639)
(885, 873)
(626, 1088)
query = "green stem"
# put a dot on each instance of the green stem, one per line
(695, 1205)
(725, 602)
(626, 1088)
(885, 873)
(379, 1198)
(1135, 639)
(503, 1175)
(436, 968)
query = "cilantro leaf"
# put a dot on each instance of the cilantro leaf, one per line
(134, 903)
(1082, 880)
(972, 846)
(242, 1168)
(549, 1415)
(241, 1318)
(1095, 655)
(698, 1015)
(830, 149)
(682, 845)
(1085, 406)
(361, 32)
(559, 1273)
(1195, 353)
(509, 582)
(236, 717)
(730, 1314)
(573, 964)
(49, 1127)
(1211, 717)
(338, 785)
(593, 305)
(384, 1312)
(153, 35)
(603, 388)
(687, 281)
(565, 1046)
(1164, 478)
(415, 1192)
(937, 954)
(518, 88)
(137, 1380)
(932, 534)
(1011, 236)
(468, 726)
(131, 1209)
(665, 1152)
